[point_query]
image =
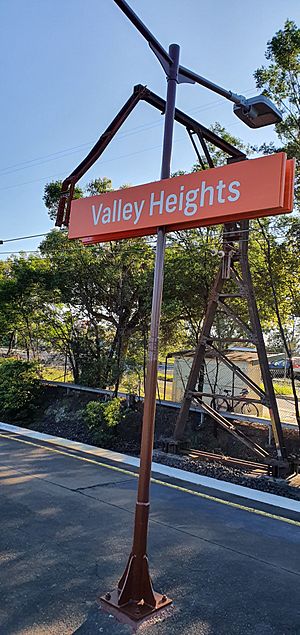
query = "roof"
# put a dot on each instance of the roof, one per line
(236, 355)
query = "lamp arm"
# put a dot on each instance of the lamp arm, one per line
(198, 79)
(184, 74)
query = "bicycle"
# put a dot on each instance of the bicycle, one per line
(229, 403)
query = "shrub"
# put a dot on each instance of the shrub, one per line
(103, 419)
(19, 387)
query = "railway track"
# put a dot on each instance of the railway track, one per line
(209, 457)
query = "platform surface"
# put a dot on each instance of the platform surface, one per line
(66, 530)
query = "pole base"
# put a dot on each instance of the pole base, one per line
(134, 611)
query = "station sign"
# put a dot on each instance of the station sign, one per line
(244, 190)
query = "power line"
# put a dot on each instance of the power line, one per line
(10, 240)
(217, 241)
(7, 240)
(62, 154)
(74, 149)
(19, 252)
(124, 156)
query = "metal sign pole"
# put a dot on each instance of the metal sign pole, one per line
(135, 596)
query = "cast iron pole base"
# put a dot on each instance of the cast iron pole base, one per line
(133, 611)
(135, 597)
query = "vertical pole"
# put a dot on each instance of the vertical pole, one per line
(165, 377)
(65, 365)
(135, 593)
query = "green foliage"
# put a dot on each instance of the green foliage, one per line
(104, 296)
(93, 304)
(99, 186)
(19, 387)
(218, 157)
(280, 81)
(52, 193)
(104, 418)
(189, 271)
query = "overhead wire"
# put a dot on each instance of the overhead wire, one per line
(15, 239)
(4, 171)
(10, 240)
(51, 157)
(216, 243)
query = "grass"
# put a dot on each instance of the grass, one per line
(162, 376)
(283, 389)
(56, 374)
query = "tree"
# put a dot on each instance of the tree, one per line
(103, 292)
(280, 81)
(189, 271)
(99, 186)
(22, 295)
(52, 194)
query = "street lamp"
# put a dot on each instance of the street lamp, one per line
(134, 597)
(255, 112)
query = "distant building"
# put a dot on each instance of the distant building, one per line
(218, 377)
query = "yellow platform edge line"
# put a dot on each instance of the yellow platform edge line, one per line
(179, 488)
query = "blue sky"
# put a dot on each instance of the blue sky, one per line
(69, 65)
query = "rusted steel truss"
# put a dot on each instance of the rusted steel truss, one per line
(235, 248)
(140, 93)
(235, 239)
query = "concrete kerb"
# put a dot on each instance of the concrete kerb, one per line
(164, 470)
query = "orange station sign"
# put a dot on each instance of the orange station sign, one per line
(248, 189)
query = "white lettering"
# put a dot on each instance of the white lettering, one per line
(220, 188)
(181, 198)
(160, 202)
(138, 210)
(96, 216)
(127, 211)
(205, 189)
(171, 203)
(190, 207)
(119, 209)
(106, 215)
(234, 191)
(114, 211)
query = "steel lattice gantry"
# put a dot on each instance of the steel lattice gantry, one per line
(234, 268)
(236, 250)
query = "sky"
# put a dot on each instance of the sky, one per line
(68, 66)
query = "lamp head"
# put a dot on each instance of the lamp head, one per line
(257, 112)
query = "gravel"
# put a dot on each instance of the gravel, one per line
(231, 474)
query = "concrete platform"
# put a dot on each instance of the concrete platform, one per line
(66, 529)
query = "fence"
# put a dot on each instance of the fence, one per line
(229, 392)
(217, 379)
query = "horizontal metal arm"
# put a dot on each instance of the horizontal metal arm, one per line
(198, 79)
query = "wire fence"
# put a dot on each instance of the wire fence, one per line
(221, 387)
(225, 390)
